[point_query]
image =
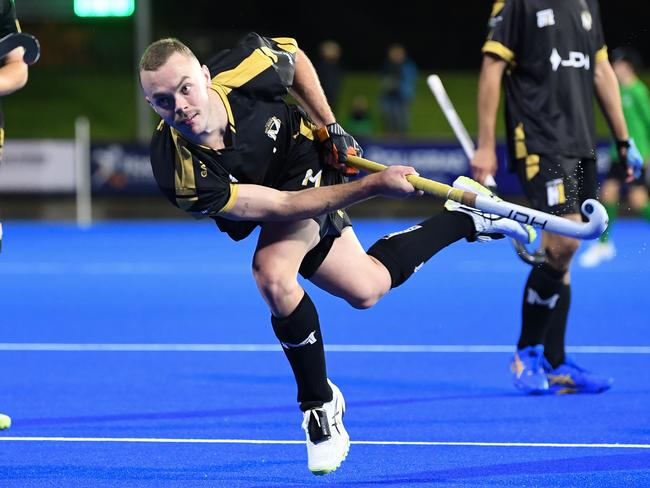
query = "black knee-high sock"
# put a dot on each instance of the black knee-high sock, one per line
(300, 336)
(404, 252)
(554, 342)
(541, 296)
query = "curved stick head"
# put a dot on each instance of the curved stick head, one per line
(596, 214)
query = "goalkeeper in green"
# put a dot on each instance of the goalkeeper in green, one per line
(636, 109)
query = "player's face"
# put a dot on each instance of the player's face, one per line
(178, 92)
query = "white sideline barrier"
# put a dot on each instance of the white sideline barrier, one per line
(38, 165)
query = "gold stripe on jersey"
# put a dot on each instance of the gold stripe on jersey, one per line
(234, 191)
(498, 49)
(497, 7)
(521, 151)
(249, 68)
(223, 91)
(161, 125)
(184, 181)
(286, 44)
(532, 166)
(601, 54)
(18, 26)
(307, 129)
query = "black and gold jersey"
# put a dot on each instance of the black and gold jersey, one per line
(551, 47)
(8, 25)
(263, 131)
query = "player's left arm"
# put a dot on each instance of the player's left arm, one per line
(609, 96)
(309, 92)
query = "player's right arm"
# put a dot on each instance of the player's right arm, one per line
(498, 51)
(484, 162)
(262, 204)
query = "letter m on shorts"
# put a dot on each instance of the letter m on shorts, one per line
(312, 178)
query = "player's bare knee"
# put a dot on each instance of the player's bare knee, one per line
(273, 285)
(562, 250)
(366, 299)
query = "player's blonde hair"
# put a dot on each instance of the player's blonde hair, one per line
(160, 51)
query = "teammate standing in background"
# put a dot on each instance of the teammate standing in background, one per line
(552, 59)
(636, 108)
(13, 73)
(229, 147)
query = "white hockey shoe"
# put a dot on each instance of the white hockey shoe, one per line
(597, 253)
(328, 442)
(489, 226)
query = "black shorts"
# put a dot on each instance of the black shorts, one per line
(303, 168)
(619, 172)
(306, 168)
(557, 184)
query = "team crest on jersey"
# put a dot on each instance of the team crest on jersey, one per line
(545, 18)
(272, 127)
(585, 16)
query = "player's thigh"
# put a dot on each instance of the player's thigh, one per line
(348, 272)
(281, 247)
(611, 190)
(637, 196)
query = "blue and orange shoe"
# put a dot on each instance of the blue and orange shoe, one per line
(528, 370)
(568, 377)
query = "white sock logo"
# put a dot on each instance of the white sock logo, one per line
(400, 232)
(311, 339)
(533, 298)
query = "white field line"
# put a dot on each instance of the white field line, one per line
(369, 348)
(291, 442)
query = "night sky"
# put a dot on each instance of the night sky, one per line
(438, 35)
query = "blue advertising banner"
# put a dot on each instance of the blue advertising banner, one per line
(125, 168)
(122, 169)
(444, 162)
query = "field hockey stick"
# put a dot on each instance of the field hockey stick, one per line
(438, 90)
(593, 211)
(21, 39)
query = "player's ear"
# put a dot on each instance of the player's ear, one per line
(206, 73)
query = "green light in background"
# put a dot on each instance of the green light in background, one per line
(104, 8)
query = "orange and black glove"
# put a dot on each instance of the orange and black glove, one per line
(339, 144)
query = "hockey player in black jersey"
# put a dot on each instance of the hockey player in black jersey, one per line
(552, 60)
(229, 147)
